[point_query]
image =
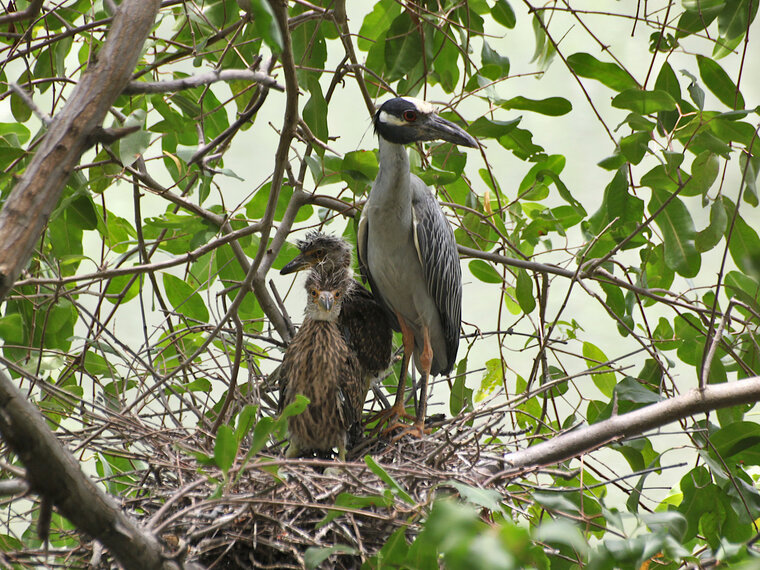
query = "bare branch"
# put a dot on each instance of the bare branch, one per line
(207, 78)
(696, 401)
(30, 13)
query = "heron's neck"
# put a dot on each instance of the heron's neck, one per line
(393, 176)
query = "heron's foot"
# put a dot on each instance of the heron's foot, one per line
(390, 419)
(417, 430)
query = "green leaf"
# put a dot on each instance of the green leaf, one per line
(445, 64)
(21, 112)
(377, 22)
(502, 12)
(486, 498)
(461, 396)
(603, 377)
(359, 169)
(315, 112)
(704, 171)
(524, 291)
(695, 91)
(719, 83)
(245, 421)
(743, 288)
(81, 211)
(264, 428)
(738, 443)
(354, 502)
(266, 24)
(628, 389)
(185, 299)
(744, 244)
(132, 146)
(225, 448)
(14, 133)
(678, 231)
(644, 102)
(397, 489)
(492, 60)
(493, 379)
(488, 128)
(634, 146)
(484, 271)
(402, 47)
(698, 15)
(609, 74)
(553, 106)
(709, 237)
(734, 19)
(314, 556)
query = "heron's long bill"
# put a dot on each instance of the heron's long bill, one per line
(439, 128)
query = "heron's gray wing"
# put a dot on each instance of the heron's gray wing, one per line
(437, 250)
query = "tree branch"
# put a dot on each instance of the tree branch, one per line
(31, 201)
(580, 441)
(55, 474)
(207, 78)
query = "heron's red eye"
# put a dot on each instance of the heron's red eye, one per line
(410, 116)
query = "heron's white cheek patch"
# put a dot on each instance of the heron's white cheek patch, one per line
(389, 119)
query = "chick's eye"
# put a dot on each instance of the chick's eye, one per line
(313, 294)
(337, 294)
(319, 253)
(410, 116)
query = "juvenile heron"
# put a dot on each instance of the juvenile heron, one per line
(321, 366)
(407, 248)
(362, 321)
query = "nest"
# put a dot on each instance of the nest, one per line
(281, 513)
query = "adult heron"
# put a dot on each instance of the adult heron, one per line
(407, 248)
(320, 365)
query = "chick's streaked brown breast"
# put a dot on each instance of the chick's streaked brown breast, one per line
(320, 365)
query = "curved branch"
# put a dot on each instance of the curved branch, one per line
(696, 401)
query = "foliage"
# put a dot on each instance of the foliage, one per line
(147, 294)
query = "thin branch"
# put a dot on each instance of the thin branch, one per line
(135, 87)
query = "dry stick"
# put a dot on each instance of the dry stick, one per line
(695, 401)
(207, 78)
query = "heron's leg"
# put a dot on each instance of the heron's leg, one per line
(407, 336)
(426, 359)
(398, 410)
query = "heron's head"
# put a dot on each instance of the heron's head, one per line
(327, 253)
(405, 120)
(325, 294)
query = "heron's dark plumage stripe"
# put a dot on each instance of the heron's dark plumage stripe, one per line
(440, 264)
